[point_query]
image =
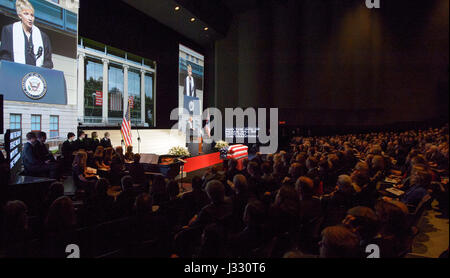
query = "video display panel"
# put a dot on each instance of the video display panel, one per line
(38, 64)
(190, 90)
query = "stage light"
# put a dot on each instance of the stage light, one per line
(192, 19)
(177, 8)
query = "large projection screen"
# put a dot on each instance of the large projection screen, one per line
(190, 90)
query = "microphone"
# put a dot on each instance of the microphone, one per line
(39, 54)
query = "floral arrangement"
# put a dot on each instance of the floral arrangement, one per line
(179, 151)
(221, 144)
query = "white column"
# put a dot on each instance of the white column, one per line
(80, 90)
(125, 89)
(143, 112)
(105, 91)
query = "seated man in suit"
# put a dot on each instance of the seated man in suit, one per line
(31, 162)
(106, 142)
(41, 149)
(23, 42)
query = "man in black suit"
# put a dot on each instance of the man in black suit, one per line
(189, 85)
(106, 142)
(93, 142)
(31, 162)
(67, 150)
(23, 42)
(80, 143)
(41, 149)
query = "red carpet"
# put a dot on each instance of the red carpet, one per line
(202, 161)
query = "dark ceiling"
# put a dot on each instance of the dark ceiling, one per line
(214, 14)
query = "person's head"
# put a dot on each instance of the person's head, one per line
(344, 184)
(304, 187)
(127, 183)
(80, 159)
(108, 153)
(360, 174)
(94, 135)
(392, 216)
(99, 152)
(378, 162)
(362, 221)
(278, 168)
(323, 165)
(70, 136)
(61, 215)
(189, 70)
(55, 191)
(31, 137)
(266, 168)
(338, 242)
(136, 158)
(129, 149)
(25, 11)
(240, 183)
(107, 135)
(311, 163)
(101, 187)
(287, 199)
(252, 168)
(143, 204)
(81, 135)
(420, 177)
(197, 183)
(172, 189)
(15, 216)
(295, 171)
(119, 150)
(215, 191)
(254, 213)
(42, 137)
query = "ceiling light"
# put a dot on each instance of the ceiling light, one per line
(192, 19)
(206, 28)
(177, 8)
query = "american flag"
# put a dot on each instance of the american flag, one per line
(125, 129)
(115, 101)
(98, 98)
(131, 102)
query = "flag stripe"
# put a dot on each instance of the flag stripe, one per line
(125, 128)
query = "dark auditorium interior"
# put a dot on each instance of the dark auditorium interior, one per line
(360, 167)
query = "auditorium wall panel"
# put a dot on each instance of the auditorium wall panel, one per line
(337, 62)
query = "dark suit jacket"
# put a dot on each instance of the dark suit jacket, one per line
(7, 49)
(186, 89)
(30, 160)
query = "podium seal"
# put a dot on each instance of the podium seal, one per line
(34, 85)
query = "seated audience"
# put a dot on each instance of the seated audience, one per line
(98, 161)
(82, 178)
(129, 155)
(15, 234)
(339, 242)
(194, 200)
